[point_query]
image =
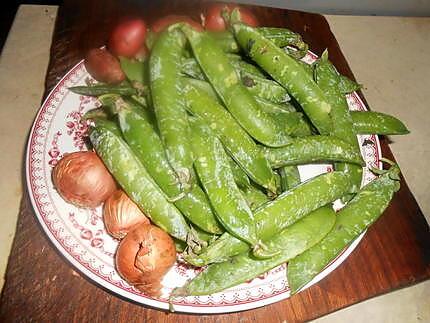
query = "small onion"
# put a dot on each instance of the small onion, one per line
(144, 256)
(120, 214)
(82, 179)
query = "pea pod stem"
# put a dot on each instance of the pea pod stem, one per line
(306, 150)
(278, 214)
(364, 209)
(290, 242)
(136, 182)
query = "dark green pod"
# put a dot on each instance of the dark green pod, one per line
(364, 209)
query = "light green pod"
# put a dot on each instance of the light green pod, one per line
(214, 172)
(364, 209)
(165, 76)
(128, 171)
(291, 242)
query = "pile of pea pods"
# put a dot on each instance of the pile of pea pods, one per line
(205, 136)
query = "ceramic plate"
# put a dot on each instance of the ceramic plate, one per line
(80, 235)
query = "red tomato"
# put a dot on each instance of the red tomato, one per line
(163, 23)
(128, 37)
(215, 21)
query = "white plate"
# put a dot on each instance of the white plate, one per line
(80, 235)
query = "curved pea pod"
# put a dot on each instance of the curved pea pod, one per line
(283, 37)
(364, 209)
(238, 143)
(306, 150)
(132, 176)
(286, 71)
(143, 139)
(225, 40)
(369, 122)
(257, 85)
(224, 79)
(164, 71)
(290, 242)
(278, 214)
(328, 80)
(213, 169)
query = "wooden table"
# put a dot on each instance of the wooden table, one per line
(41, 285)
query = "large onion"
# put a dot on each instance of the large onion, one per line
(82, 179)
(144, 256)
(120, 214)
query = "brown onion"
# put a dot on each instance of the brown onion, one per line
(82, 179)
(120, 214)
(103, 66)
(144, 256)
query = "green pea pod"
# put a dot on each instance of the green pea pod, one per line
(257, 85)
(287, 116)
(134, 69)
(100, 89)
(254, 197)
(327, 79)
(291, 242)
(278, 214)
(370, 122)
(283, 37)
(143, 139)
(137, 183)
(225, 40)
(286, 71)
(364, 209)
(290, 177)
(293, 124)
(272, 107)
(213, 169)
(164, 70)
(241, 65)
(306, 150)
(223, 77)
(238, 143)
(264, 88)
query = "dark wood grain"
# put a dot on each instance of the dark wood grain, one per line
(42, 286)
